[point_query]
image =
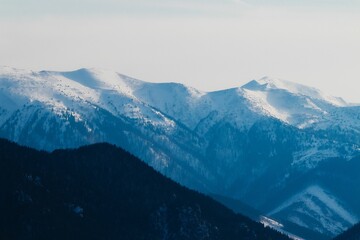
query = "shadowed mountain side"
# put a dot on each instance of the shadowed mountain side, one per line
(103, 192)
(351, 234)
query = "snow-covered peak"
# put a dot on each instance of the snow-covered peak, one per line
(101, 79)
(268, 84)
(290, 102)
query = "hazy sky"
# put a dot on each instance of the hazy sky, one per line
(207, 44)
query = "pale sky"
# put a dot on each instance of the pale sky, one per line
(207, 44)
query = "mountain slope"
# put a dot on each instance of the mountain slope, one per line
(351, 234)
(256, 143)
(51, 110)
(103, 192)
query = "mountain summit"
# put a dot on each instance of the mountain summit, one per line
(293, 103)
(268, 83)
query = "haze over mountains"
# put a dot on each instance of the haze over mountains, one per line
(286, 149)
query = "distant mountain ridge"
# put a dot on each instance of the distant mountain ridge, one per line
(265, 143)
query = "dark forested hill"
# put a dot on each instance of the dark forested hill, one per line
(351, 234)
(103, 192)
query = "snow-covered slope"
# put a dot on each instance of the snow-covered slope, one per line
(48, 110)
(299, 89)
(318, 207)
(250, 142)
(292, 103)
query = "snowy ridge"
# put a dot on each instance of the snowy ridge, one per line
(61, 91)
(326, 207)
(291, 103)
(273, 83)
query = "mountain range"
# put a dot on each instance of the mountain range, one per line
(287, 150)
